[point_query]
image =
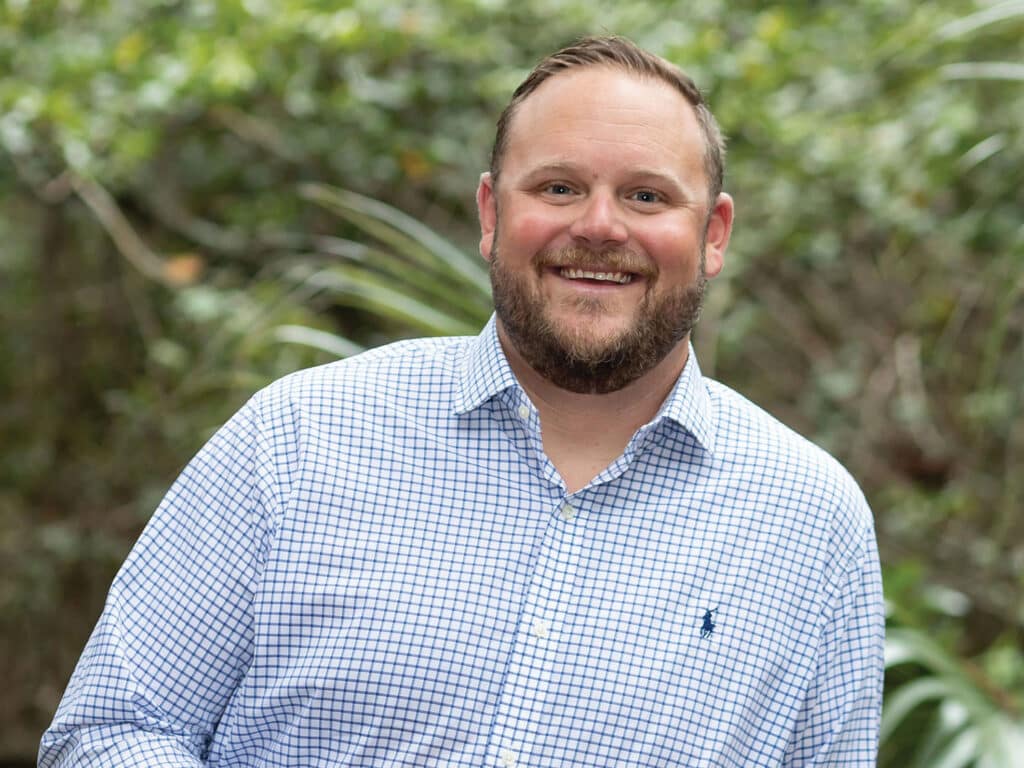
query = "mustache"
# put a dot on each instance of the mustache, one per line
(608, 260)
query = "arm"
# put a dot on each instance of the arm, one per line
(175, 636)
(838, 726)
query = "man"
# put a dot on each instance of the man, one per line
(555, 544)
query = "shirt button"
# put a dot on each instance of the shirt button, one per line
(508, 758)
(541, 628)
(524, 412)
(568, 512)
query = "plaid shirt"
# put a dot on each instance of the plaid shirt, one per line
(374, 563)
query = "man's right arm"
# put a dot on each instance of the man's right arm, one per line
(176, 634)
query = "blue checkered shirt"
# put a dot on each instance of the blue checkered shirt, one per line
(375, 564)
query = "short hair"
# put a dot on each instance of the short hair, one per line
(623, 54)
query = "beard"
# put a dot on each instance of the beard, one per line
(574, 360)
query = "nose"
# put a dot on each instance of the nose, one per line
(599, 222)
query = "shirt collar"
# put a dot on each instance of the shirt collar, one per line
(485, 370)
(486, 373)
(689, 404)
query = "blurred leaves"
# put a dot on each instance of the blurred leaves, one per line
(954, 714)
(421, 282)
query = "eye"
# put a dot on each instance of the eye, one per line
(646, 196)
(558, 188)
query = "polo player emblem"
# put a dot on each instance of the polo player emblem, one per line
(709, 625)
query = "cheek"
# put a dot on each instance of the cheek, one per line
(676, 252)
(530, 231)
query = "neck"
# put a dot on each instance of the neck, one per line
(593, 429)
(639, 400)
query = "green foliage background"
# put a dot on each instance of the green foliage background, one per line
(175, 231)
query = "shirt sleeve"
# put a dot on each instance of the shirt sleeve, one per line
(838, 726)
(176, 633)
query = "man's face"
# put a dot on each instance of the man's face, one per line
(599, 232)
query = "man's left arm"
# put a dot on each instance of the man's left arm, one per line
(838, 725)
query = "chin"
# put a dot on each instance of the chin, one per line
(592, 344)
(597, 328)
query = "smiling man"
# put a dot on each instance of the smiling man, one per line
(555, 544)
(601, 235)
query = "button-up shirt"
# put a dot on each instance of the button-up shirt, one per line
(374, 563)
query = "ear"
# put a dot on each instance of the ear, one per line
(718, 234)
(487, 209)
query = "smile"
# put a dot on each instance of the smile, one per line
(622, 278)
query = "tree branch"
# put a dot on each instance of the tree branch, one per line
(116, 224)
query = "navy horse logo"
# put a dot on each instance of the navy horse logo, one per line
(709, 625)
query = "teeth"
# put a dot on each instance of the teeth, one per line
(612, 277)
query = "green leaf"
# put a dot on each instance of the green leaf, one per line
(906, 699)
(317, 339)
(960, 752)
(356, 287)
(903, 646)
(997, 13)
(984, 70)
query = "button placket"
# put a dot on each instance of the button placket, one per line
(523, 709)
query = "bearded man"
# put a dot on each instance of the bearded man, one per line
(554, 544)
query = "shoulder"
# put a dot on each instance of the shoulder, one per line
(412, 368)
(798, 480)
(748, 436)
(329, 402)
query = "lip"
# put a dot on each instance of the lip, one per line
(593, 286)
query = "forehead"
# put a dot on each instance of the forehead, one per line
(602, 112)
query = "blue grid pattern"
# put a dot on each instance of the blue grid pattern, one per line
(373, 563)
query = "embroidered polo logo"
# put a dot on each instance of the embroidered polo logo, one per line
(708, 626)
